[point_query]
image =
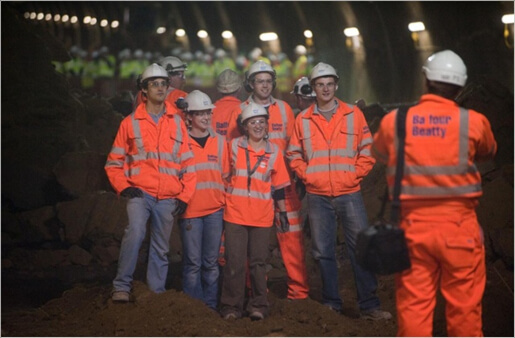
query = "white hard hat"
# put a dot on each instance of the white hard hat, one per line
(300, 50)
(228, 81)
(446, 66)
(198, 101)
(173, 64)
(255, 53)
(322, 70)
(154, 70)
(303, 88)
(252, 110)
(261, 66)
(220, 53)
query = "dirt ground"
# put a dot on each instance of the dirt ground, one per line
(85, 309)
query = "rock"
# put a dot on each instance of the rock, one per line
(79, 256)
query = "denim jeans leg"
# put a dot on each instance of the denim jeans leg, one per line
(138, 211)
(322, 220)
(160, 231)
(191, 235)
(352, 213)
(210, 273)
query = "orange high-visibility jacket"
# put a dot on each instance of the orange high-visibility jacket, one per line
(222, 113)
(253, 205)
(443, 141)
(280, 122)
(331, 158)
(211, 166)
(154, 158)
(172, 96)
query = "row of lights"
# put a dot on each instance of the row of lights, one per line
(202, 34)
(87, 20)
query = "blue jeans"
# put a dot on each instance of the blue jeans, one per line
(139, 210)
(201, 238)
(324, 214)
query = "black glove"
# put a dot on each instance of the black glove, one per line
(284, 224)
(300, 188)
(131, 192)
(180, 208)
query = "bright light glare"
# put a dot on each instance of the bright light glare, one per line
(65, 18)
(48, 17)
(74, 19)
(507, 19)
(416, 26)
(308, 34)
(227, 34)
(115, 24)
(33, 15)
(104, 23)
(26, 15)
(40, 16)
(180, 32)
(87, 19)
(160, 30)
(202, 34)
(93, 21)
(57, 17)
(351, 31)
(270, 36)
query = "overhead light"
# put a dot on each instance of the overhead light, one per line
(26, 15)
(270, 36)
(65, 18)
(74, 19)
(33, 15)
(507, 19)
(351, 31)
(417, 26)
(308, 34)
(40, 16)
(93, 21)
(180, 32)
(115, 23)
(104, 23)
(87, 19)
(48, 17)
(227, 34)
(57, 17)
(160, 30)
(202, 34)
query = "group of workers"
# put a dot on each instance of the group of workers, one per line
(228, 171)
(100, 71)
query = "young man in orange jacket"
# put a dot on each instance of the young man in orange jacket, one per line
(329, 151)
(439, 192)
(152, 165)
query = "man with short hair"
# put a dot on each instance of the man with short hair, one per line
(329, 151)
(152, 165)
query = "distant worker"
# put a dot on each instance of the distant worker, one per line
(202, 223)
(228, 84)
(152, 166)
(300, 65)
(439, 193)
(329, 151)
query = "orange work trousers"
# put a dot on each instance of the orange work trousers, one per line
(291, 244)
(447, 251)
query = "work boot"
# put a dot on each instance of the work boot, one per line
(120, 297)
(375, 314)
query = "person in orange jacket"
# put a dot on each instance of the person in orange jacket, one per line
(228, 84)
(329, 151)
(176, 76)
(202, 223)
(261, 82)
(439, 193)
(151, 164)
(258, 178)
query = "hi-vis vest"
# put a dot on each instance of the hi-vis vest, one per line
(211, 165)
(332, 157)
(442, 141)
(252, 204)
(154, 158)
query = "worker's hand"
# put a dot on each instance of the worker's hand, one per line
(284, 225)
(131, 192)
(180, 208)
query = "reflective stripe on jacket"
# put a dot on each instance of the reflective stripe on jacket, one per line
(443, 141)
(211, 165)
(154, 158)
(331, 157)
(254, 206)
